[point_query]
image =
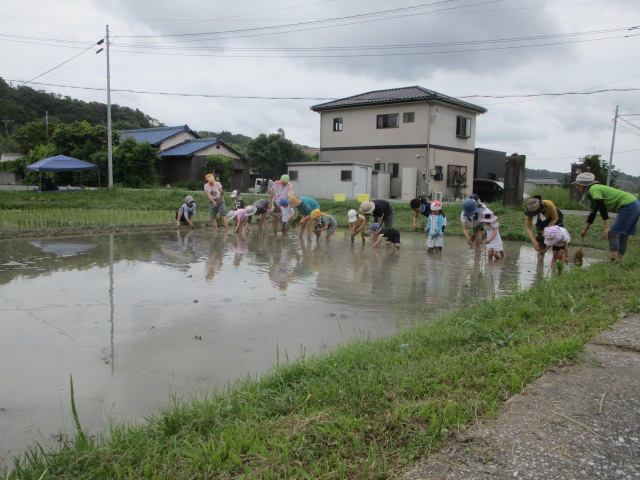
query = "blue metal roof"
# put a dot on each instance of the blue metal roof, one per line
(189, 147)
(395, 95)
(155, 136)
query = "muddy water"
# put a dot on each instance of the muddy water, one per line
(137, 319)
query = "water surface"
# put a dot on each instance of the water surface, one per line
(139, 318)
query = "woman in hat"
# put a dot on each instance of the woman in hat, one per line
(546, 215)
(381, 210)
(186, 212)
(495, 249)
(217, 206)
(281, 189)
(304, 205)
(605, 199)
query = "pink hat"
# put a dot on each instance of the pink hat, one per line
(488, 217)
(552, 235)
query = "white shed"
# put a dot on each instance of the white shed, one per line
(326, 179)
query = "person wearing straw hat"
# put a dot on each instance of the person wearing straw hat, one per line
(546, 215)
(281, 189)
(217, 206)
(495, 249)
(304, 205)
(606, 199)
(380, 210)
(186, 212)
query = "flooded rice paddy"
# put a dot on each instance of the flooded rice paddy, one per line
(137, 319)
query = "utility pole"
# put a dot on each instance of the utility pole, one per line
(613, 141)
(109, 134)
(6, 131)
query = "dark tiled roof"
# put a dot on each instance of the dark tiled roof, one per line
(191, 147)
(155, 136)
(395, 95)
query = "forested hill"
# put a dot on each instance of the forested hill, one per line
(24, 104)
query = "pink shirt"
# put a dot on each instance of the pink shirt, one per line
(280, 190)
(241, 215)
(214, 189)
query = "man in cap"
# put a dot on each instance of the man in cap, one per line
(217, 206)
(546, 215)
(279, 190)
(186, 212)
(381, 210)
(606, 199)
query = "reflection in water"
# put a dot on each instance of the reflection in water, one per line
(136, 318)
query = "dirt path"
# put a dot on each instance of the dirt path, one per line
(576, 422)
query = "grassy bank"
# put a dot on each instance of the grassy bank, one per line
(28, 213)
(369, 409)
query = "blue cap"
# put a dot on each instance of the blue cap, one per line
(284, 202)
(375, 226)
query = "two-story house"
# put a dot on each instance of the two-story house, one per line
(424, 140)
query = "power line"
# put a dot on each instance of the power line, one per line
(255, 97)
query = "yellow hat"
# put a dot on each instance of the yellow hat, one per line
(210, 178)
(316, 213)
(293, 201)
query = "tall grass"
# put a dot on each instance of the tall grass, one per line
(369, 409)
(559, 196)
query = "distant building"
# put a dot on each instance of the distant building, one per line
(182, 153)
(422, 140)
(530, 184)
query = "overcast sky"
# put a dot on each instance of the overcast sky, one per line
(252, 67)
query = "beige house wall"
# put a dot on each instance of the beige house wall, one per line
(428, 142)
(218, 150)
(176, 140)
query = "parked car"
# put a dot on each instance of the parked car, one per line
(488, 190)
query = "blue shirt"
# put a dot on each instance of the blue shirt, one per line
(307, 206)
(188, 211)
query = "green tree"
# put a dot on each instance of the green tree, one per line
(268, 155)
(81, 139)
(134, 164)
(32, 134)
(222, 167)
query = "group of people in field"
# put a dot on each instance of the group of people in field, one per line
(479, 223)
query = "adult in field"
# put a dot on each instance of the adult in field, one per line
(304, 205)
(281, 189)
(186, 212)
(217, 206)
(605, 199)
(421, 206)
(546, 215)
(380, 210)
(262, 212)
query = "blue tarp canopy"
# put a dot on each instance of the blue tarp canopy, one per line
(61, 163)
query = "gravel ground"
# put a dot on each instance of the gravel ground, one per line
(575, 422)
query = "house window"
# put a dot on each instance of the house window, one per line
(337, 124)
(394, 169)
(378, 167)
(293, 175)
(345, 175)
(457, 180)
(463, 127)
(388, 121)
(408, 117)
